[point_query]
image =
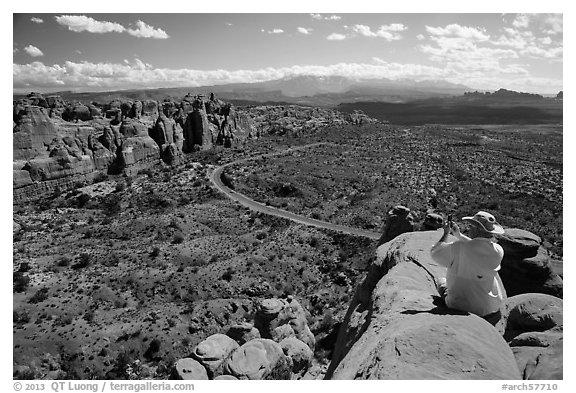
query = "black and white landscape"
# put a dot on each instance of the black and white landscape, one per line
(254, 196)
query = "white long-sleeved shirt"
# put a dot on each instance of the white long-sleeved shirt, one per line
(472, 279)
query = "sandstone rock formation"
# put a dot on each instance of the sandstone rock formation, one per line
(526, 266)
(300, 354)
(532, 323)
(432, 221)
(169, 137)
(259, 359)
(32, 132)
(277, 319)
(189, 369)
(396, 328)
(57, 144)
(280, 348)
(399, 220)
(213, 351)
(196, 128)
(243, 332)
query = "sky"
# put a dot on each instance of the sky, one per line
(107, 51)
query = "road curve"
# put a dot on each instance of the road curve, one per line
(215, 178)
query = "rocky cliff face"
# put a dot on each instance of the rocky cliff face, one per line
(398, 328)
(57, 144)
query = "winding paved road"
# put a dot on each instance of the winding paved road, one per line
(215, 178)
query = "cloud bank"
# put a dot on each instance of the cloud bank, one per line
(80, 23)
(87, 76)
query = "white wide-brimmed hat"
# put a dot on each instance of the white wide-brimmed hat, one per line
(486, 222)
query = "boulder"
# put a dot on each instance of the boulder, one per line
(277, 319)
(398, 220)
(300, 354)
(519, 243)
(532, 323)
(530, 312)
(533, 274)
(259, 359)
(243, 332)
(432, 221)
(213, 351)
(540, 363)
(536, 339)
(397, 328)
(225, 378)
(189, 369)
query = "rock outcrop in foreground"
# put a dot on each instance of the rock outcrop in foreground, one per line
(397, 327)
(279, 345)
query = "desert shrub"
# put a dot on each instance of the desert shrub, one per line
(39, 296)
(64, 261)
(313, 242)
(88, 316)
(63, 320)
(24, 375)
(112, 205)
(20, 282)
(327, 321)
(24, 267)
(20, 317)
(153, 348)
(83, 261)
(148, 172)
(228, 274)
(100, 177)
(120, 186)
(155, 252)
(178, 238)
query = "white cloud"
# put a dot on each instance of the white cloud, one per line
(80, 23)
(521, 21)
(320, 17)
(137, 74)
(33, 51)
(336, 37)
(304, 30)
(554, 23)
(273, 31)
(388, 32)
(420, 37)
(456, 31)
(527, 44)
(144, 30)
(547, 23)
(37, 20)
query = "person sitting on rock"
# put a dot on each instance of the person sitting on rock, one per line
(472, 282)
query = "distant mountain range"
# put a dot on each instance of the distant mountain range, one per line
(303, 89)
